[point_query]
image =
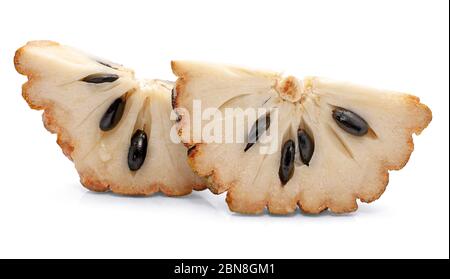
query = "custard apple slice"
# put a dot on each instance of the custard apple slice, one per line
(335, 141)
(115, 128)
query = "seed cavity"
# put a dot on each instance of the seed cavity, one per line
(174, 97)
(106, 65)
(100, 78)
(350, 122)
(287, 162)
(174, 102)
(138, 150)
(190, 150)
(340, 143)
(305, 146)
(112, 115)
(265, 102)
(260, 127)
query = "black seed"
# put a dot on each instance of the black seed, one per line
(112, 115)
(100, 78)
(138, 150)
(260, 126)
(350, 122)
(287, 162)
(305, 146)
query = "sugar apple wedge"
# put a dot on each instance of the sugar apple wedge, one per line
(336, 141)
(115, 128)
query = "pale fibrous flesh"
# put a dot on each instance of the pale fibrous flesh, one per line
(351, 136)
(115, 128)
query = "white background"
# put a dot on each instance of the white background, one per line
(400, 45)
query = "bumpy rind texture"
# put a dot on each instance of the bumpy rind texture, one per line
(72, 110)
(344, 168)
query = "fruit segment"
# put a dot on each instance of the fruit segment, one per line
(115, 128)
(346, 138)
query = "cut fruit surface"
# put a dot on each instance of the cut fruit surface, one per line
(346, 138)
(115, 129)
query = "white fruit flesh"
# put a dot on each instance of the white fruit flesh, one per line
(344, 167)
(74, 108)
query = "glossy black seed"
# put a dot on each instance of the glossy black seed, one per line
(100, 78)
(350, 122)
(287, 162)
(112, 115)
(305, 146)
(138, 150)
(258, 129)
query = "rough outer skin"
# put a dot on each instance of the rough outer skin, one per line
(217, 186)
(50, 122)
